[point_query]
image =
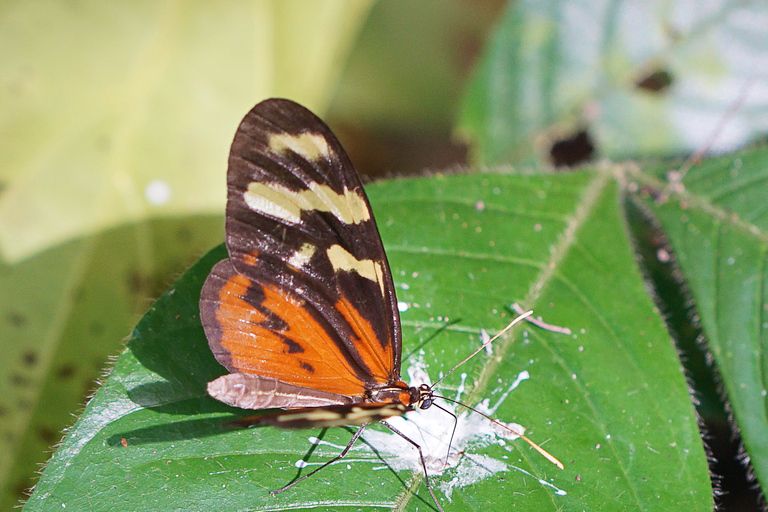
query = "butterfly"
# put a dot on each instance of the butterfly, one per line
(303, 312)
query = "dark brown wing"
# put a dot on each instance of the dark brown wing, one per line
(306, 296)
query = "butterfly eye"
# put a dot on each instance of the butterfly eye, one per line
(426, 403)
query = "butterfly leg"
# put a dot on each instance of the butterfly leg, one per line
(339, 456)
(423, 464)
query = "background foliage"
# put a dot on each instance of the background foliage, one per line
(116, 123)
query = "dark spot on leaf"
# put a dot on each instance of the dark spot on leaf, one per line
(20, 381)
(657, 81)
(572, 150)
(135, 282)
(65, 372)
(29, 358)
(47, 435)
(16, 319)
(184, 235)
(79, 295)
(97, 328)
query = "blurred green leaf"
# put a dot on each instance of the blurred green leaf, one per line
(649, 78)
(63, 314)
(716, 222)
(117, 112)
(610, 401)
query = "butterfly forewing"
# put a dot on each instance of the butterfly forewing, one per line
(306, 297)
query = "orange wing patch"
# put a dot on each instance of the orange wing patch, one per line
(300, 352)
(380, 362)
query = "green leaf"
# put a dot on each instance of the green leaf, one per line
(641, 79)
(63, 313)
(610, 401)
(717, 223)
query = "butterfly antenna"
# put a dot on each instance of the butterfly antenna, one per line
(551, 458)
(482, 347)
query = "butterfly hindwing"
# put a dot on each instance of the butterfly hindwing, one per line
(255, 330)
(306, 297)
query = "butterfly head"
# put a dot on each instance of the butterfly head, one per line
(425, 397)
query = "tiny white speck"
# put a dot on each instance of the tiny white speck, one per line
(537, 227)
(764, 392)
(300, 463)
(314, 440)
(405, 286)
(608, 436)
(403, 307)
(731, 260)
(157, 192)
(485, 338)
(349, 467)
(479, 206)
(573, 376)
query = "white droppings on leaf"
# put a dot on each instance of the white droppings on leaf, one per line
(485, 338)
(432, 430)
